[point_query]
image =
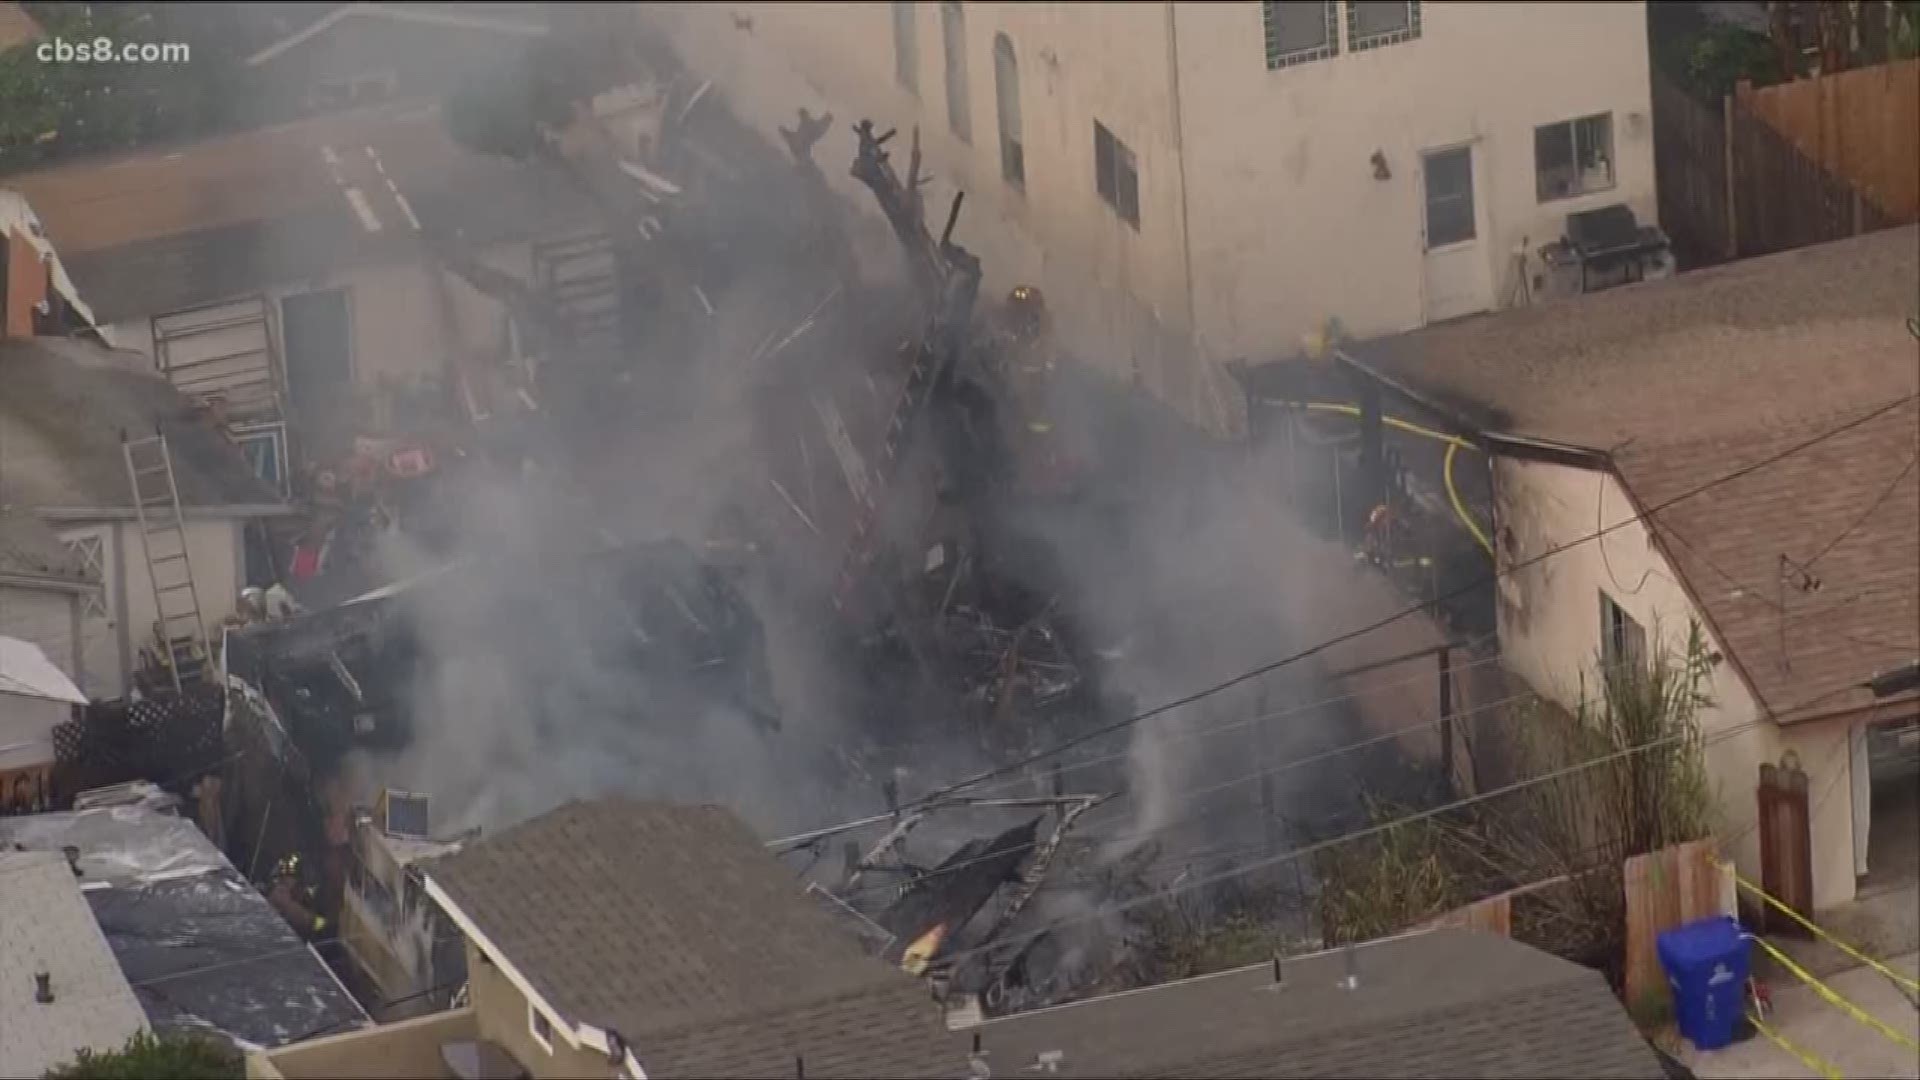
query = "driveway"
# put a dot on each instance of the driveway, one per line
(1808, 1022)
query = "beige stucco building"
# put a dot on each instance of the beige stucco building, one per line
(1243, 171)
(1731, 450)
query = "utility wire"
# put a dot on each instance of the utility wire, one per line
(1193, 795)
(1340, 639)
(1211, 730)
(1872, 508)
(1359, 834)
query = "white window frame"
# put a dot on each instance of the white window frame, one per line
(953, 51)
(1578, 187)
(1006, 109)
(534, 1019)
(91, 552)
(1278, 57)
(1359, 42)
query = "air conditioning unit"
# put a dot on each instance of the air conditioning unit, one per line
(404, 814)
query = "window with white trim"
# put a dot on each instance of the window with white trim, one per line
(541, 1027)
(91, 553)
(1298, 31)
(1374, 23)
(1116, 174)
(1623, 641)
(1574, 157)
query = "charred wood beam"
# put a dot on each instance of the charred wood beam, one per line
(1036, 871)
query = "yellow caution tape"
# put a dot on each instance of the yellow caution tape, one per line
(1832, 998)
(1808, 1059)
(1857, 955)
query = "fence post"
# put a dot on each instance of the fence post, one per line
(1733, 217)
(1446, 717)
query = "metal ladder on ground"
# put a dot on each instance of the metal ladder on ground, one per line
(163, 537)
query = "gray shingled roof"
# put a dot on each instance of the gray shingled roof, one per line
(1689, 379)
(1445, 1003)
(62, 416)
(674, 926)
(47, 927)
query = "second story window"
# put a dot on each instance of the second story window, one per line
(1574, 157)
(1373, 23)
(1006, 95)
(1116, 175)
(1300, 30)
(906, 47)
(953, 38)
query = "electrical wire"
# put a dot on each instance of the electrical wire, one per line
(1211, 730)
(1315, 847)
(1480, 582)
(1192, 795)
(1873, 508)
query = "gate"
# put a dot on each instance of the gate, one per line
(1786, 843)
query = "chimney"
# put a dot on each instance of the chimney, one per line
(43, 987)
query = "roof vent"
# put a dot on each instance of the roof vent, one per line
(43, 987)
(1048, 1061)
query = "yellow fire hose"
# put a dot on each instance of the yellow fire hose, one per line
(1454, 445)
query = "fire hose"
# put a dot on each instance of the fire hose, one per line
(1454, 446)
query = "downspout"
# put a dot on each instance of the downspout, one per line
(1180, 156)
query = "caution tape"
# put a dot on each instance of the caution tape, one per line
(1897, 978)
(1807, 1058)
(1832, 998)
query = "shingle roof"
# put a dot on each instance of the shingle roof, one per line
(1818, 329)
(61, 418)
(1445, 1003)
(1689, 379)
(49, 928)
(157, 231)
(673, 926)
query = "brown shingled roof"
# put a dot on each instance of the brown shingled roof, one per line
(1689, 379)
(674, 926)
(1445, 1003)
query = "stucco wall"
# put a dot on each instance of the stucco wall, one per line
(1118, 293)
(1550, 635)
(502, 1013)
(1257, 181)
(399, 319)
(1289, 225)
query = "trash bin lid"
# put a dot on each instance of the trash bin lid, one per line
(1701, 943)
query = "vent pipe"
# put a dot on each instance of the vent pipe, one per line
(1352, 979)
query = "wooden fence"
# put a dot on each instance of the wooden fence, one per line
(1663, 889)
(1862, 126)
(1732, 187)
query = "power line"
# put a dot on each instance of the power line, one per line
(1872, 508)
(1371, 830)
(1478, 583)
(1196, 794)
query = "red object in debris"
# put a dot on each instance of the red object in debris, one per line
(306, 562)
(410, 463)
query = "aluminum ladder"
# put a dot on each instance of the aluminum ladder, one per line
(163, 537)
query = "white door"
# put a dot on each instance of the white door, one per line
(102, 666)
(1459, 279)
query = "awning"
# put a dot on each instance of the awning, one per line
(26, 671)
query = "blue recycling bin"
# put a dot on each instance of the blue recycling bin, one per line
(1707, 964)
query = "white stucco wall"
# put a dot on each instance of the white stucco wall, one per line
(398, 328)
(1550, 634)
(1289, 225)
(1257, 181)
(111, 638)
